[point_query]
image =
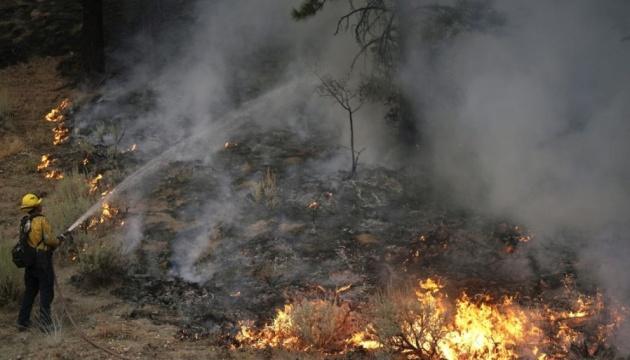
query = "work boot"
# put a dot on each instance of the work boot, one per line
(22, 327)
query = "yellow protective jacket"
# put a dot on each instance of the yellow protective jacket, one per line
(42, 232)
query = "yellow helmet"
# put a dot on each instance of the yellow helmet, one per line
(30, 201)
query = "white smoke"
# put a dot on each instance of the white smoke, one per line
(255, 64)
(531, 121)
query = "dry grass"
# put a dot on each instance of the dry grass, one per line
(5, 107)
(10, 277)
(266, 190)
(55, 332)
(118, 331)
(101, 265)
(69, 200)
(11, 145)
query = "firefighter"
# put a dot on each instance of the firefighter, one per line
(39, 276)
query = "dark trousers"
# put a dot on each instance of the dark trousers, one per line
(38, 278)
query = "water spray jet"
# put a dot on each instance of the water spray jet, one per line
(225, 124)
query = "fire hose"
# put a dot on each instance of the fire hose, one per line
(80, 332)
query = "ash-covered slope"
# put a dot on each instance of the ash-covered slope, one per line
(270, 217)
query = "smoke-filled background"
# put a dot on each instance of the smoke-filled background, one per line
(526, 121)
(531, 121)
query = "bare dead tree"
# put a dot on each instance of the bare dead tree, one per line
(351, 101)
(383, 29)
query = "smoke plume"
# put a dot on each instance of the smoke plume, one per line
(530, 121)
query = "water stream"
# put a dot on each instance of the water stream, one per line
(223, 126)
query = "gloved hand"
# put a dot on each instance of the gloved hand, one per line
(65, 236)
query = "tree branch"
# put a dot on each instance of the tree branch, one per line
(346, 18)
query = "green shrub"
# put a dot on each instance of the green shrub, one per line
(100, 265)
(10, 277)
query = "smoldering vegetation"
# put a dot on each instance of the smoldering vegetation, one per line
(518, 183)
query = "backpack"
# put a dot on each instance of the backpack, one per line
(23, 254)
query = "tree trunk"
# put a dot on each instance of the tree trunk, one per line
(407, 126)
(354, 159)
(93, 47)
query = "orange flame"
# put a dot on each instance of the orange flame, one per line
(44, 163)
(61, 134)
(44, 166)
(54, 175)
(94, 183)
(56, 115)
(479, 327)
(108, 212)
(323, 325)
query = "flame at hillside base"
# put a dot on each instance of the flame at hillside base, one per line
(94, 183)
(431, 326)
(61, 134)
(57, 115)
(108, 212)
(44, 167)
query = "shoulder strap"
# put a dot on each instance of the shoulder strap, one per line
(25, 219)
(33, 216)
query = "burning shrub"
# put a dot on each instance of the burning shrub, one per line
(318, 325)
(427, 325)
(101, 265)
(10, 277)
(410, 323)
